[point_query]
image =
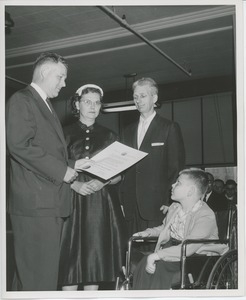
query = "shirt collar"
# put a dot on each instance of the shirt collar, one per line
(195, 207)
(85, 127)
(149, 119)
(39, 90)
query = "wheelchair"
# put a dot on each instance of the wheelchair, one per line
(198, 271)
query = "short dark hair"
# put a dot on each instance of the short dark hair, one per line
(211, 175)
(199, 177)
(231, 181)
(219, 180)
(49, 57)
(146, 81)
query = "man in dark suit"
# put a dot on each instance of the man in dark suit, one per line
(40, 173)
(219, 204)
(231, 192)
(214, 200)
(219, 186)
(146, 186)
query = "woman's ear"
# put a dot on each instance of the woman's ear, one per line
(77, 105)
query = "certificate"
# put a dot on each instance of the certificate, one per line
(114, 159)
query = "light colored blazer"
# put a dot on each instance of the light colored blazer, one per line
(200, 224)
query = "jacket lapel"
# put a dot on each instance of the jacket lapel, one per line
(135, 136)
(53, 119)
(165, 234)
(149, 133)
(187, 223)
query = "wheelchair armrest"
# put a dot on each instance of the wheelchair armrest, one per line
(142, 239)
(201, 241)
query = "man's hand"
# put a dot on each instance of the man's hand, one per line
(150, 265)
(83, 163)
(70, 175)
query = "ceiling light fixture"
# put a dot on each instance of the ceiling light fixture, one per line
(123, 105)
(119, 106)
(132, 77)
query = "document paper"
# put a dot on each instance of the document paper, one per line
(114, 159)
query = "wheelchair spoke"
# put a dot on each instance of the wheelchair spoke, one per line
(224, 273)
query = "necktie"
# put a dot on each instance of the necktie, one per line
(52, 110)
(50, 105)
(142, 133)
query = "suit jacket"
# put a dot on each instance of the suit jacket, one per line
(217, 202)
(38, 158)
(147, 183)
(200, 224)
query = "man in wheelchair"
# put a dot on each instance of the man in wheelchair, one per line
(187, 218)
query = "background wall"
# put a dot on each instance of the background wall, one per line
(208, 126)
(204, 109)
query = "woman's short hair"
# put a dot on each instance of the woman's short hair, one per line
(88, 90)
(146, 81)
(199, 177)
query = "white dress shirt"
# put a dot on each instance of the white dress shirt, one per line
(143, 126)
(41, 93)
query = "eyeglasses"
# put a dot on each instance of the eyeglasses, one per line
(89, 102)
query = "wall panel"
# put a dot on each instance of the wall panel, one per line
(218, 129)
(187, 113)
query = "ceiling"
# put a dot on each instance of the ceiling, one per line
(100, 51)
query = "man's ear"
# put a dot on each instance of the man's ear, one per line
(44, 70)
(155, 97)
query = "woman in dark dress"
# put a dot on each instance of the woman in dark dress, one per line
(94, 237)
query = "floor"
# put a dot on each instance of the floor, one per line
(11, 263)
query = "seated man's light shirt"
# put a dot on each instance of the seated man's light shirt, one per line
(145, 123)
(178, 225)
(41, 93)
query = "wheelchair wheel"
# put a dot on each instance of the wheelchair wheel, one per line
(205, 272)
(225, 272)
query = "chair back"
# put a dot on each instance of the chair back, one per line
(227, 225)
